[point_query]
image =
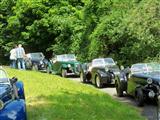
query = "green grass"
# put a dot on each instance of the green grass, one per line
(51, 97)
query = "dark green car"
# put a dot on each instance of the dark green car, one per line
(64, 65)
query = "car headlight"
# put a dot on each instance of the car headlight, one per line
(1, 105)
(151, 94)
(149, 81)
(69, 65)
(41, 62)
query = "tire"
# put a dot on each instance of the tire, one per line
(139, 97)
(35, 67)
(98, 82)
(64, 73)
(119, 90)
(82, 77)
(48, 70)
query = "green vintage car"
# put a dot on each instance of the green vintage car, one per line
(64, 65)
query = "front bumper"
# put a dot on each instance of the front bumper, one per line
(152, 91)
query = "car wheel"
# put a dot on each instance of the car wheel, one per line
(139, 97)
(48, 70)
(119, 90)
(35, 67)
(82, 77)
(64, 73)
(98, 82)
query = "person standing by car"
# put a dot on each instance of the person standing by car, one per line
(13, 57)
(20, 53)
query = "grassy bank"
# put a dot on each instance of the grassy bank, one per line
(50, 97)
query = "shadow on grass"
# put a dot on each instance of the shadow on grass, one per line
(78, 106)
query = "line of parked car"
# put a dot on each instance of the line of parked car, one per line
(141, 80)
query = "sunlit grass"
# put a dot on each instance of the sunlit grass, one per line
(51, 97)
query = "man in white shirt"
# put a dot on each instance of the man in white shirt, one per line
(13, 57)
(20, 53)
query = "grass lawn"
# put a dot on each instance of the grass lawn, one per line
(51, 97)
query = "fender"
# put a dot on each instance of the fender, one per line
(20, 88)
(15, 110)
(101, 73)
(122, 81)
(93, 78)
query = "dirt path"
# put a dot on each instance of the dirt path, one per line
(149, 110)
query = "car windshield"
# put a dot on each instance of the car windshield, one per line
(103, 62)
(3, 76)
(145, 67)
(109, 61)
(35, 55)
(66, 57)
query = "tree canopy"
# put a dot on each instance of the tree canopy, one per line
(127, 30)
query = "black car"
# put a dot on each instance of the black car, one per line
(101, 71)
(141, 81)
(36, 61)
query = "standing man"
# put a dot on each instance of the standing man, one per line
(13, 57)
(20, 53)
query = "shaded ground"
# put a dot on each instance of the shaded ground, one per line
(149, 110)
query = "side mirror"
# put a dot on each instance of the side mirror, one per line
(13, 80)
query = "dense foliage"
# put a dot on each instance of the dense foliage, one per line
(127, 30)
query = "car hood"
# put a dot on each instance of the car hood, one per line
(3, 90)
(153, 75)
(111, 68)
